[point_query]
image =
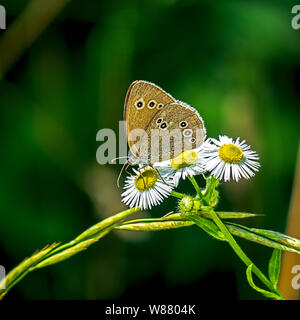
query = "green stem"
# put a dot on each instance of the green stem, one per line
(91, 233)
(237, 249)
(177, 195)
(14, 283)
(196, 186)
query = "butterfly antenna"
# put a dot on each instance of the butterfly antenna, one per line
(119, 177)
(115, 159)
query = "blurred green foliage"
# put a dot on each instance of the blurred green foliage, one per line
(237, 62)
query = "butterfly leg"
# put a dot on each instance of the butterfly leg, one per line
(139, 169)
(118, 180)
(127, 170)
(160, 176)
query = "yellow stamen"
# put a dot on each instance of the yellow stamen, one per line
(185, 159)
(146, 179)
(231, 153)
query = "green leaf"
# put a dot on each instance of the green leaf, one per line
(256, 288)
(274, 267)
(152, 226)
(236, 215)
(277, 236)
(214, 197)
(251, 235)
(211, 194)
(208, 226)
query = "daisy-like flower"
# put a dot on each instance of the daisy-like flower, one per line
(145, 189)
(188, 163)
(227, 159)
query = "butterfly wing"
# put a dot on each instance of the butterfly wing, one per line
(177, 128)
(143, 100)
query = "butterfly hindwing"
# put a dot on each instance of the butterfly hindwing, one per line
(180, 122)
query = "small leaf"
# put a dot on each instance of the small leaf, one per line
(152, 226)
(277, 236)
(65, 254)
(208, 226)
(213, 201)
(249, 234)
(256, 288)
(210, 194)
(236, 215)
(274, 267)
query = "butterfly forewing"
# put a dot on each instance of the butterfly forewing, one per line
(143, 101)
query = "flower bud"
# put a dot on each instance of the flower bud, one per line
(189, 204)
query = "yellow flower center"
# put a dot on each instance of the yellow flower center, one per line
(231, 153)
(146, 179)
(185, 159)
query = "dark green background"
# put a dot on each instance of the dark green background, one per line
(237, 62)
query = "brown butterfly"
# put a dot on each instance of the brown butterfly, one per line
(158, 126)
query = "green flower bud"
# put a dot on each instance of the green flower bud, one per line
(189, 204)
(186, 204)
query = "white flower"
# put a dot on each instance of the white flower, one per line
(188, 163)
(227, 159)
(145, 189)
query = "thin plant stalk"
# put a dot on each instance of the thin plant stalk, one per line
(57, 253)
(237, 249)
(196, 186)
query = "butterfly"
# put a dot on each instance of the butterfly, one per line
(150, 113)
(158, 127)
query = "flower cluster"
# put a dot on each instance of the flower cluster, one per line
(225, 159)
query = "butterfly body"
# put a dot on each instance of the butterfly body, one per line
(158, 126)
